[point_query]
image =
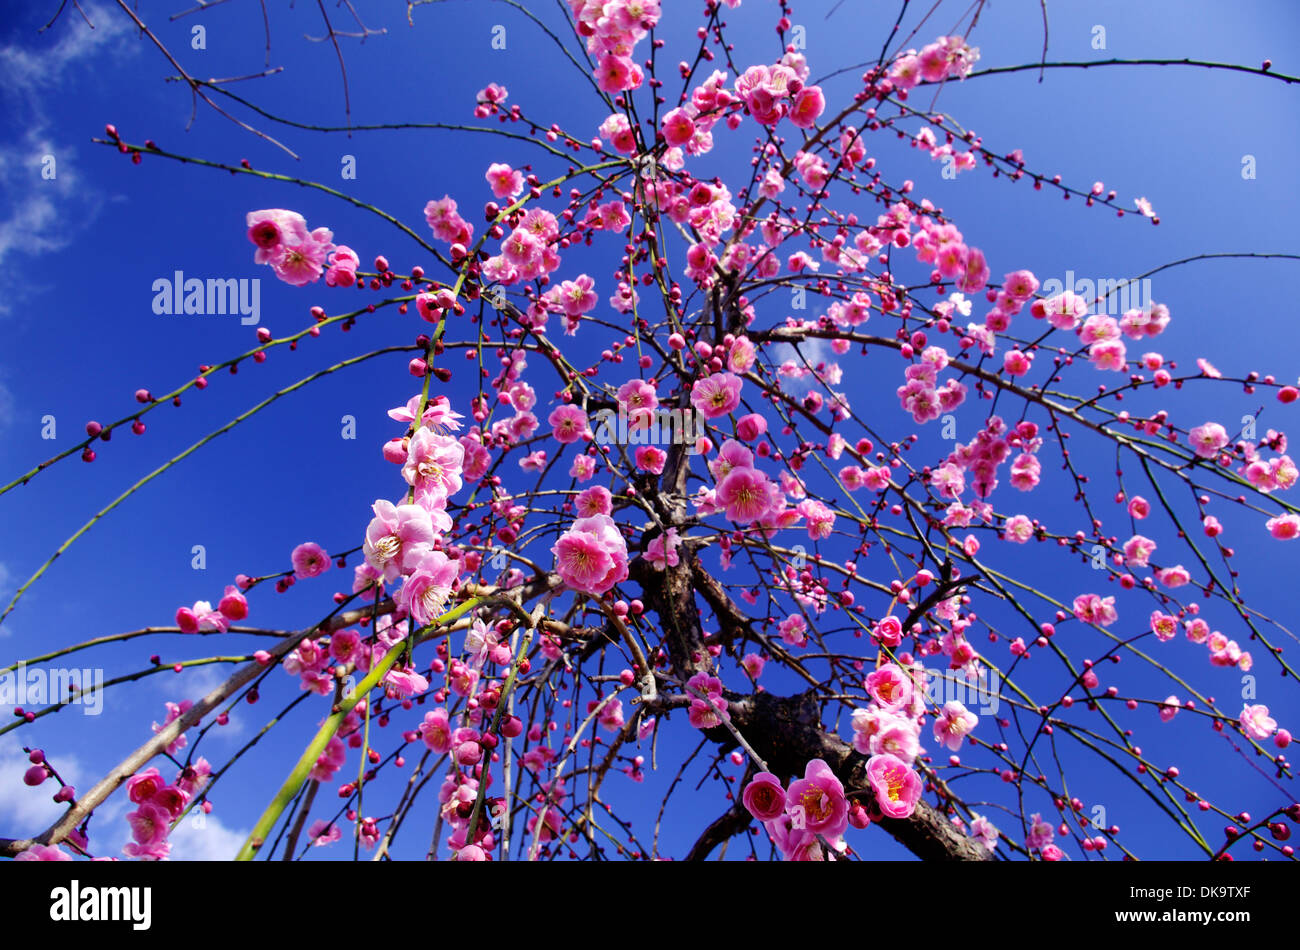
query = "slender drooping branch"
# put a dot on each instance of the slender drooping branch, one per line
(86, 804)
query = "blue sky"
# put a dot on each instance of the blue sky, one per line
(79, 335)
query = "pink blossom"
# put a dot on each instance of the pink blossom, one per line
(433, 466)
(398, 537)
(302, 263)
(591, 557)
(1018, 529)
(651, 458)
(446, 223)
(1175, 576)
(1169, 708)
(595, 500)
(1137, 550)
(1108, 355)
(504, 180)
(1017, 363)
(583, 468)
(639, 400)
(1020, 285)
(143, 786)
(764, 797)
(149, 828)
(661, 552)
(233, 605)
(618, 132)
(201, 617)
(817, 803)
(750, 427)
(492, 95)
(716, 395)
(808, 106)
(984, 831)
(438, 414)
(342, 271)
(174, 712)
(273, 230)
(732, 455)
(1256, 722)
(877, 478)
(425, 592)
(436, 730)
(1064, 311)
(744, 493)
(888, 632)
(616, 73)
(867, 724)
(820, 519)
(404, 681)
(577, 296)
(897, 787)
(40, 852)
(1284, 527)
(906, 71)
(853, 477)
(954, 723)
(1163, 625)
(1040, 833)
(309, 560)
(611, 715)
(569, 424)
(678, 127)
(171, 799)
(741, 356)
(1092, 608)
(897, 737)
(708, 707)
(343, 644)
(322, 833)
(1208, 439)
(795, 844)
(794, 630)
(890, 687)
(329, 761)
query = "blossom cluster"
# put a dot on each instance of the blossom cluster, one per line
(201, 617)
(299, 256)
(158, 805)
(798, 819)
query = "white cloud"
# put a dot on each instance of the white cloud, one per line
(811, 351)
(6, 417)
(195, 683)
(44, 214)
(39, 220)
(204, 838)
(6, 584)
(27, 70)
(25, 811)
